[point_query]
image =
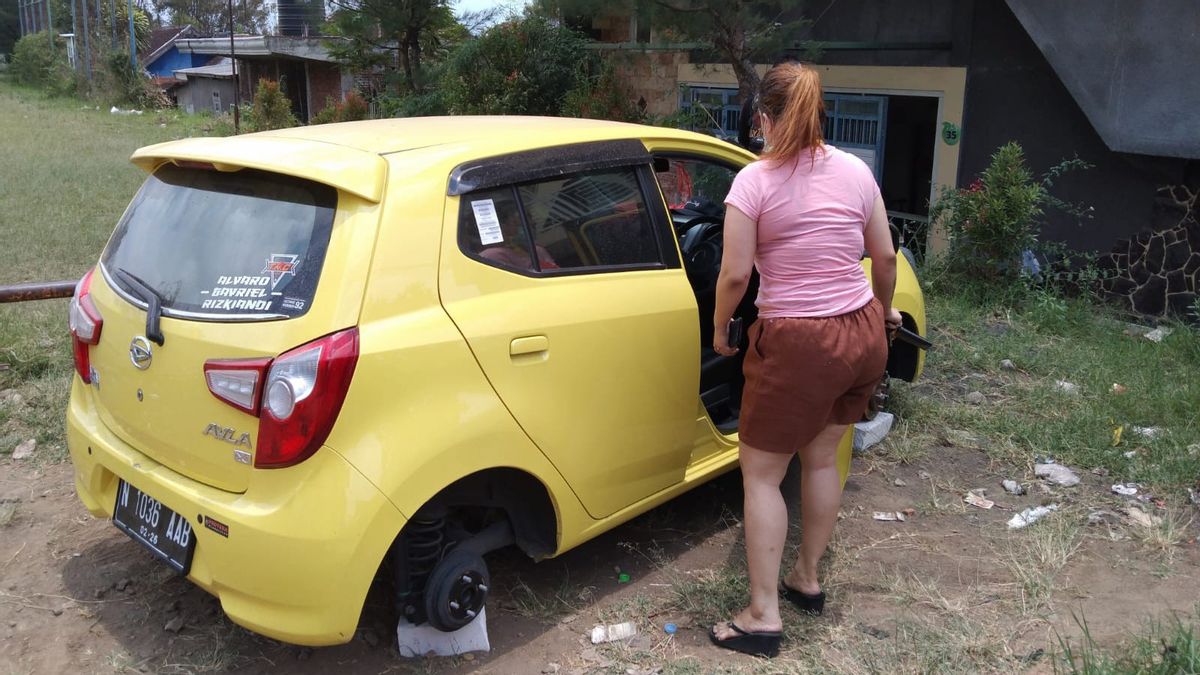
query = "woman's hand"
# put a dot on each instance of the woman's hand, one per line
(892, 320)
(721, 340)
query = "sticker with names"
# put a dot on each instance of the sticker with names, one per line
(487, 222)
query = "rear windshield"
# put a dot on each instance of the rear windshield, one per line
(225, 245)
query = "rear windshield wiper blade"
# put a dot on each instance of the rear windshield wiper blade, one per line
(153, 304)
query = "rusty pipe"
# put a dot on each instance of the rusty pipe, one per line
(37, 291)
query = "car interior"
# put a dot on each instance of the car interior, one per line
(695, 191)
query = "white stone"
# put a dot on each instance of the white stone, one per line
(417, 641)
(871, 432)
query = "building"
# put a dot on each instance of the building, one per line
(163, 57)
(206, 88)
(306, 72)
(925, 91)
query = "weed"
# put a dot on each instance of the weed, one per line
(547, 606)
(1038, 554)
(8, 513)
(1163, 648)
(1168, 530)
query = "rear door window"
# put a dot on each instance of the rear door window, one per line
(244, 245)
(593, 221)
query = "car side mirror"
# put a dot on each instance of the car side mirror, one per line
(662, 165)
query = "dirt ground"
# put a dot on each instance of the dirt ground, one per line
(952, 583)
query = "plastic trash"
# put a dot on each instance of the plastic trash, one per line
(613, 632)
(1012, 487)
(622, 578)
(1157, 334)
(670, 629)
(1030, 516)
(975, 500)
(1149, 433)
(1066, 387)
(1057, 474)
(1126, 489)
(890, 516)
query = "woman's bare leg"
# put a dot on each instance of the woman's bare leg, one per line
(765, 518)
(820, 498)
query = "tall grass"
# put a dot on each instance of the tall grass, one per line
(64, 182)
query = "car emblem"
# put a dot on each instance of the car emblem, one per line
(140, 354)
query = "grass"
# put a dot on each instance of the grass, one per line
(1036, 556)
(1026, 415)
(1163, 648)
(66, 179)
(70, 180)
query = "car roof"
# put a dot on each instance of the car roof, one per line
(410, 133)
(349, 155)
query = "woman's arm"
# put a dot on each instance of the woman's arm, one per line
(737, 263)
(877, 239)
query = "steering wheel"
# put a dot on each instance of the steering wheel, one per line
(702, 245)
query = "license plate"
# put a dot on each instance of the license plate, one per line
(167, 534)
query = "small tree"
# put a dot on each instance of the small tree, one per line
(525, 66)
(994, 221)
(271, 109)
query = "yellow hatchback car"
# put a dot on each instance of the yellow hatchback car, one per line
(311, 358)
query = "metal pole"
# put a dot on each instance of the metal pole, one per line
(87, 42)
(132, 41)
(237, 85)
(75, 36)
(112, 12)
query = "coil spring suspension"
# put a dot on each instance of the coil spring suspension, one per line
(422, 546)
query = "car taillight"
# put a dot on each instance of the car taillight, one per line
(238, 382)
(302, 397)
(85, 323)
(296, 396)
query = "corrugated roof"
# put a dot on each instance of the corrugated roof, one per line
(219, 67)
(161, 40)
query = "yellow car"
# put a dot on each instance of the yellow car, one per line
(314, 357)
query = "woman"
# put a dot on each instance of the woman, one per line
(803, 215)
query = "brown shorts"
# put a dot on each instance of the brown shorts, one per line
(803, 374)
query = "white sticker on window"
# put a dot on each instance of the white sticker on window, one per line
(487, 222)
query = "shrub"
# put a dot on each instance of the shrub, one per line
(34, 63)
(601, 95)
(132, 87)
(353, 109)
(271, 109)
(994, 222)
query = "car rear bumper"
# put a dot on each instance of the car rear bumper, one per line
(303, 543)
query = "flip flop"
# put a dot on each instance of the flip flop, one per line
(808, 604)
(756, 643)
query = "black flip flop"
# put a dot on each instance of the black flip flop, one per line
(756, 643)
(808, 604)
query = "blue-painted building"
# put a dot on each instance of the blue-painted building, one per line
(164, 58)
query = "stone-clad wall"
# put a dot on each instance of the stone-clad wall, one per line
(651, 76)
(1158, 270)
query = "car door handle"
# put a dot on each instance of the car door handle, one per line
(534, 344)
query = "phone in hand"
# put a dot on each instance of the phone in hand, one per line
(735, 332)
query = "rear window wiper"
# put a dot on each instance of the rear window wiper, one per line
(153, 304)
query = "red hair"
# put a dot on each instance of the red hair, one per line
(790, 95)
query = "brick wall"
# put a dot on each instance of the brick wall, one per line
(324, 81)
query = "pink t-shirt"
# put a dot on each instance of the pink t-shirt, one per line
(810, 232)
